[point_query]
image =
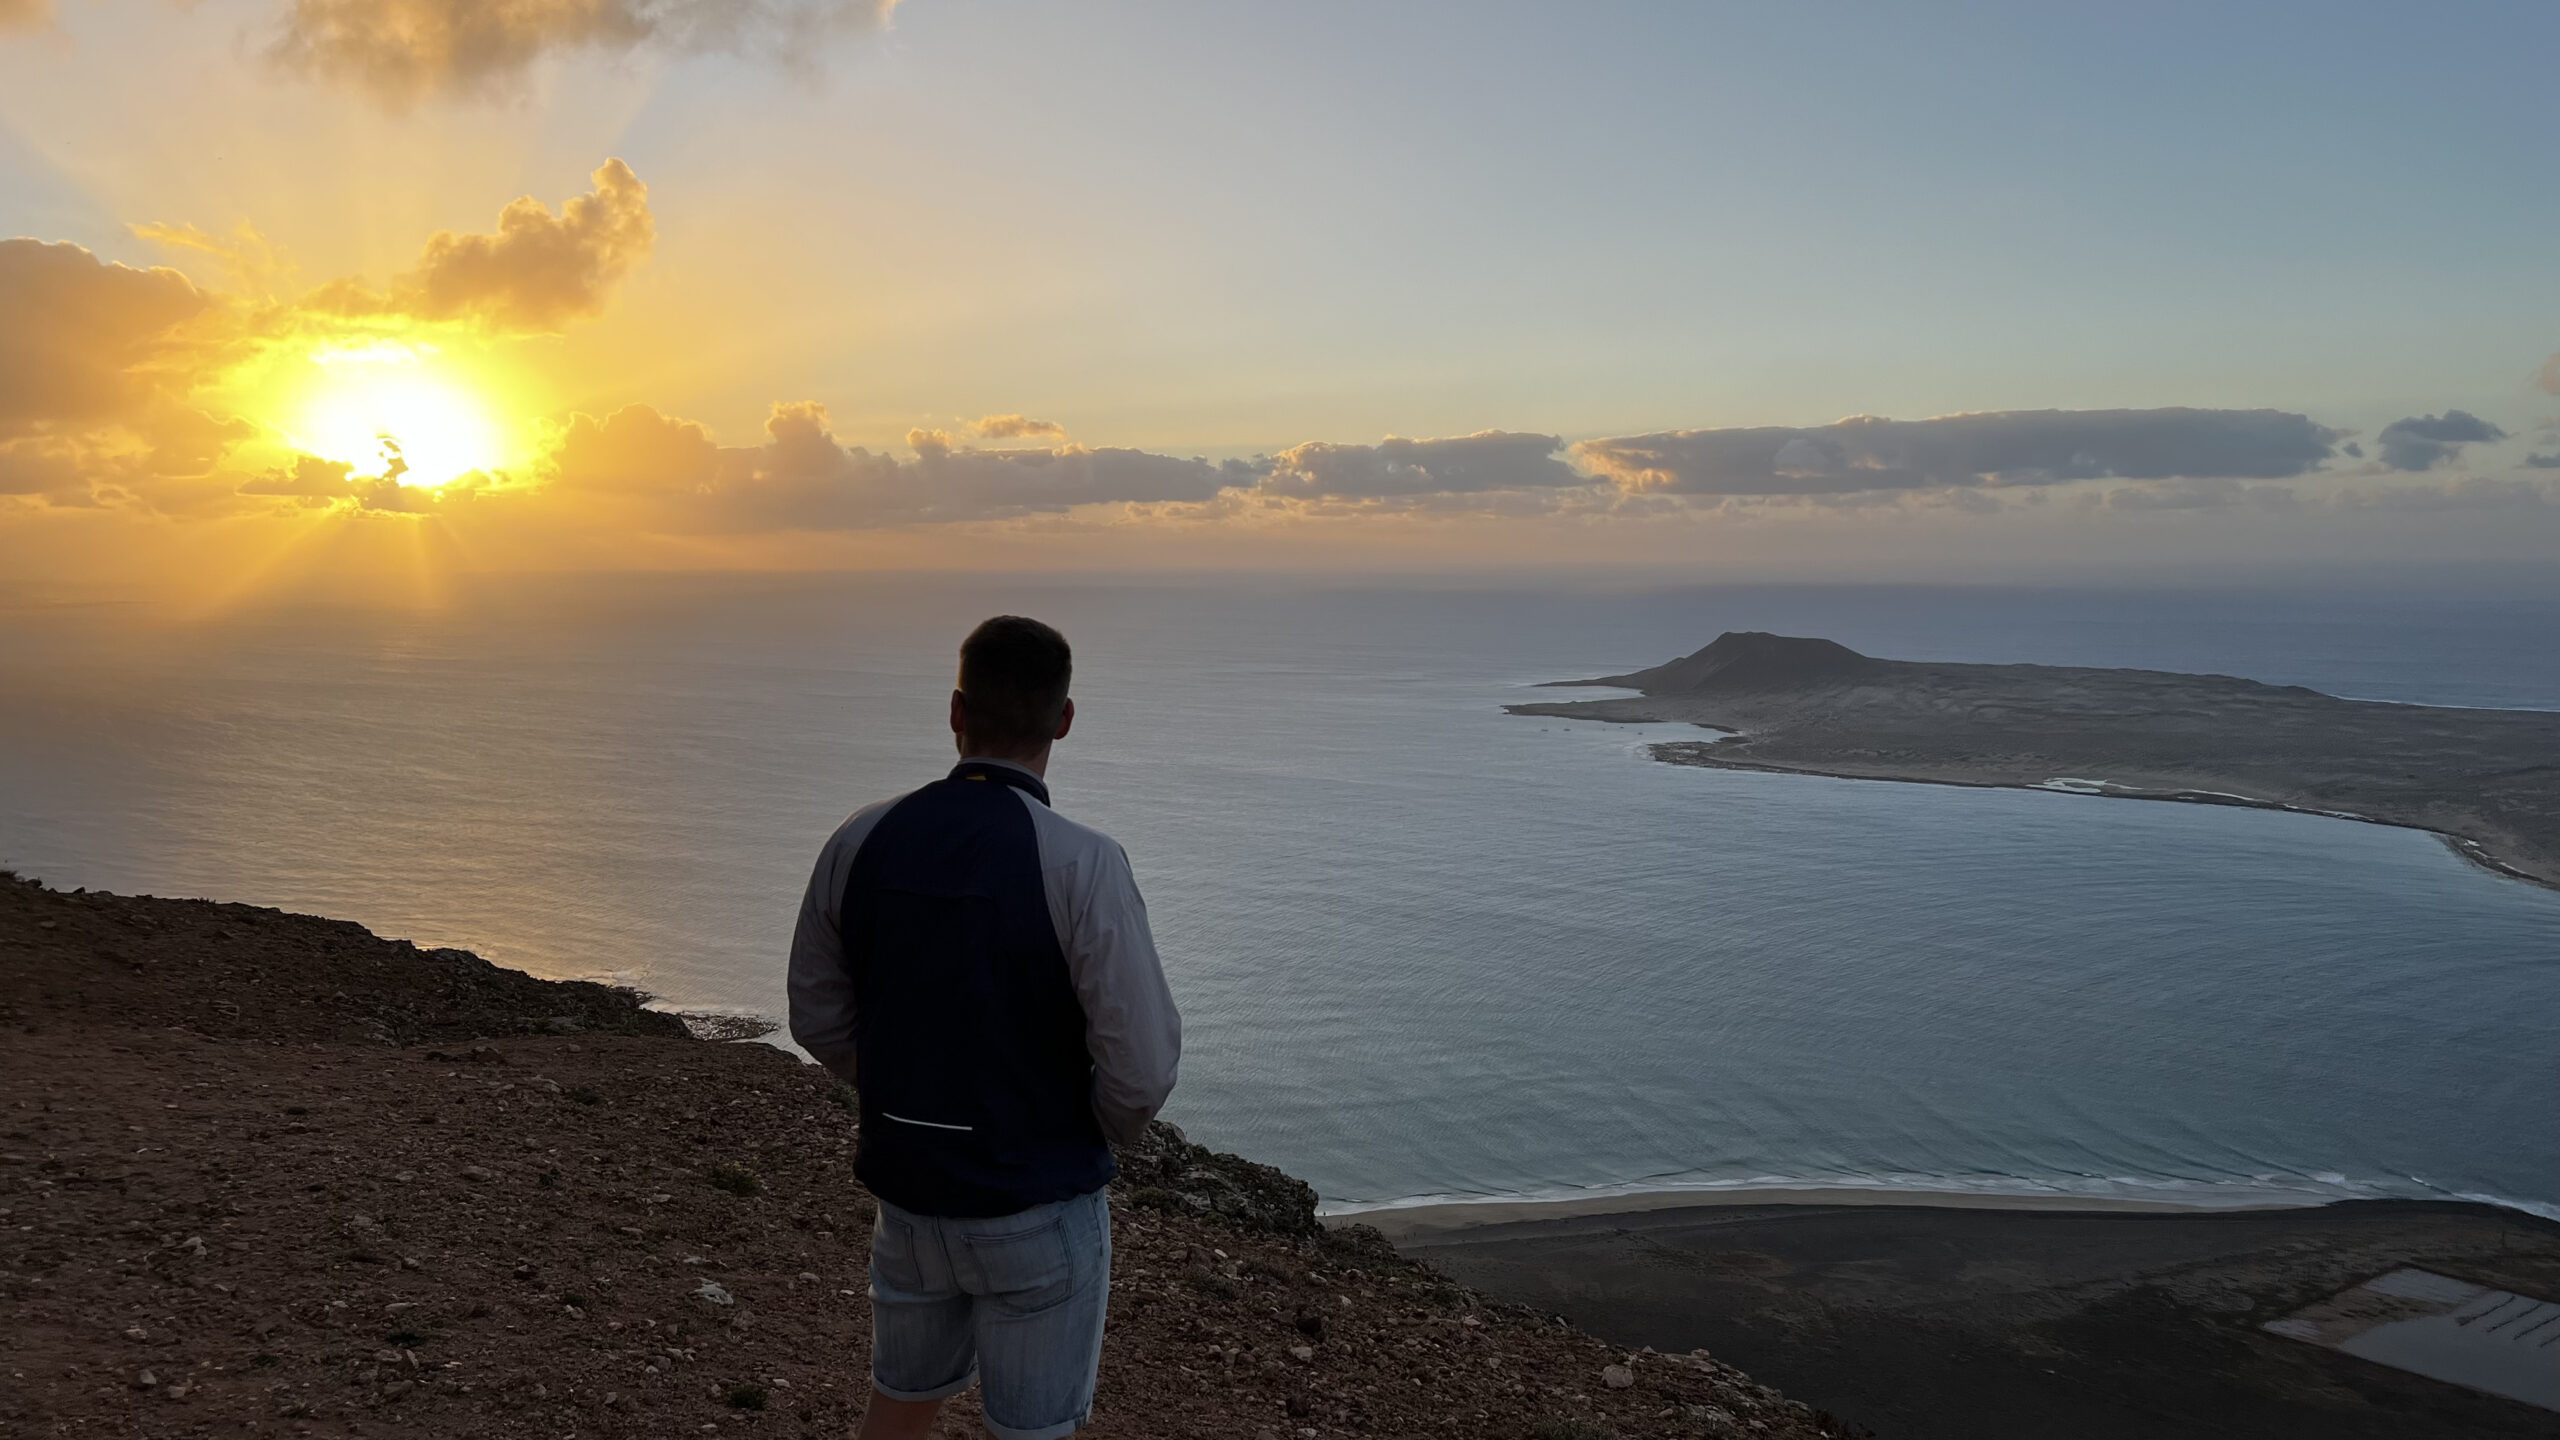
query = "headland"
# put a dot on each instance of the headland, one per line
(2488, 781)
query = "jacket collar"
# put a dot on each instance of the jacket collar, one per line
(1003, 772)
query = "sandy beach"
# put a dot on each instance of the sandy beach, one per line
(1430, 1221)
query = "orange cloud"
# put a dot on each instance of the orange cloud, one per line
(83, 342)
(25, 14)
(1018, 427)
(537, 273)
(95, 363)
(402, 51)
(635, 451)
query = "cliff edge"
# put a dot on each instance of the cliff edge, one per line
(268, 1171)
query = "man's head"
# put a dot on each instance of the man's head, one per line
(1012, 699)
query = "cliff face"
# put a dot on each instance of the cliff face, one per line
(269, 1168)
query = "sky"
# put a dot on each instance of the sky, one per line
(1946, 291)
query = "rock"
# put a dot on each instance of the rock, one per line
(476, 1174)
(1303, 1352)
(564, 1025)
(1617, 1377)
(1311, 1323)
(716, 1293)
(146, 1380)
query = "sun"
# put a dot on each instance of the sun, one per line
(397, 409)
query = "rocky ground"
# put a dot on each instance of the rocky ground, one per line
(266, 1173)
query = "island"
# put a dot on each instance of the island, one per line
(2487, 781)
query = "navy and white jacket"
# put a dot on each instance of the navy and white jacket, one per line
(979, 966)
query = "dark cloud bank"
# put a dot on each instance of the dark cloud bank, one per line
(802, 477)
(2423, 442)
(2013, 447)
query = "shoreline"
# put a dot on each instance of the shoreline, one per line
(1401, 1221)
(2463, 847)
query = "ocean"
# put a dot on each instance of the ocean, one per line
(1424, 950)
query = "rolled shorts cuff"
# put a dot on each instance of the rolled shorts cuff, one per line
(967, 1378)
(1046, 1432)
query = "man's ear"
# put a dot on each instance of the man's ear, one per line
(1066, 720)
(959, 715)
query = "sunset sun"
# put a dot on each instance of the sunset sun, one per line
(394, 408)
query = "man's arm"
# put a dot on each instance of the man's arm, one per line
(821, 983)
(1132, 1030)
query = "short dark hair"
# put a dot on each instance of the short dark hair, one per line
(1013, 682)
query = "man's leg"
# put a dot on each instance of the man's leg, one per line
(887, 1419)
(1042, 1281)
(923, 1342)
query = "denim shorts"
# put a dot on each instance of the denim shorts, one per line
(1017, 1300)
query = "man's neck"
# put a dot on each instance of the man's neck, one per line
(1038, 764)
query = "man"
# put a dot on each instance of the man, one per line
(979, 968)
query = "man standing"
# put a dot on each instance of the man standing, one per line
(979, 968)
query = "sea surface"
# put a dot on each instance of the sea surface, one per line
(1424, 950)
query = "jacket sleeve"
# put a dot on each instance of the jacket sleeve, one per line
(821, 984)
(1131, 1027)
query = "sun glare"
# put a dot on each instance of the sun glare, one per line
(393, 408)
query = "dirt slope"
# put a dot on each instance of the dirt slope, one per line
(268, 1174)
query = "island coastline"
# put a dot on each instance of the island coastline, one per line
(1690, 753)
(2485, 782)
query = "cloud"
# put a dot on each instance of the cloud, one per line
(83, 342)
(1488, 460)
(2016, 447)
(96, 361)
(1017, 427)
(803, 478)
(635, 451)
(2422, 442)
(2542, 462)
(537, 273)
(25, 14)
(2547, 379)
(402, 51)
(309, 478)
